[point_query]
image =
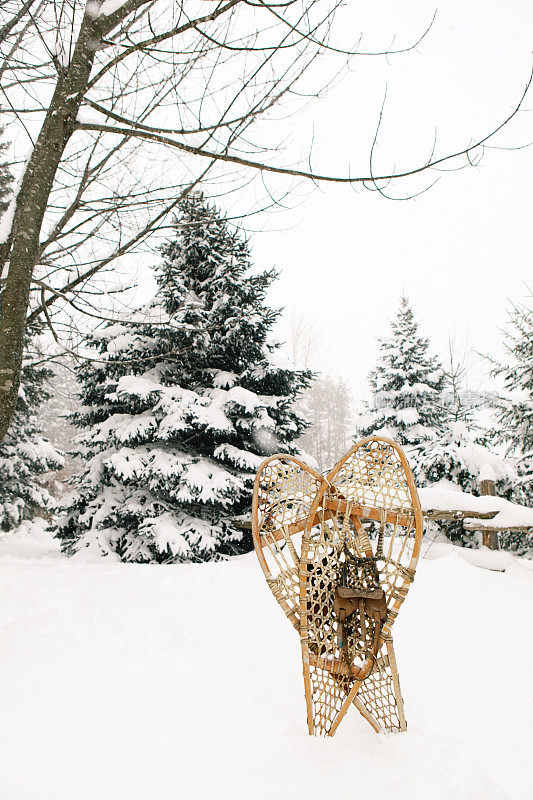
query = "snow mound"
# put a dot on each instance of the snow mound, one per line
(30, 540)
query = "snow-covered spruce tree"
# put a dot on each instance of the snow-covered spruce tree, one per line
(186, 401)
(515, 407)
(407, 386)
(24, 453)
(459, 456)
(464, 454)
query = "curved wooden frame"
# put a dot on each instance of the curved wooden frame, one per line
(274, 541)
(335, 495)
(256, 526)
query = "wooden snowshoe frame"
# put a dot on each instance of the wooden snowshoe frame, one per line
(313, 535)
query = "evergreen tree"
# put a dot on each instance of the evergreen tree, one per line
(407, 386)
(515, 407)
(463, 453)
(186, 400)
(459, 455)
(24, 453)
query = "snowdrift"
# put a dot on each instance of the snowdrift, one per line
(130, 682)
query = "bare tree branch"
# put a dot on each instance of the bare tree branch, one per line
(262, 167)
(92, 192)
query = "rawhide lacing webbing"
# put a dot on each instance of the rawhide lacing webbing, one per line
(360, 605)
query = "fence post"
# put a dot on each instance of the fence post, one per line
(490, 538)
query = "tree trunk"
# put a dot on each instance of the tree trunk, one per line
(31, 204)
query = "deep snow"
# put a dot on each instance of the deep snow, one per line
(130, 682)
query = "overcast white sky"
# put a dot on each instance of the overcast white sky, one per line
(461, 250)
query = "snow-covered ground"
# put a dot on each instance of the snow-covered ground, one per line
(130, 682)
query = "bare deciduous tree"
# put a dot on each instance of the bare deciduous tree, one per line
(105, 90)
(306, 343)
(327, 403)
(327, 406)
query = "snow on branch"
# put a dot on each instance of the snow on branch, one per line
(496, 512)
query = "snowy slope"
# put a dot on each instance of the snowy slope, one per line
(130, 682)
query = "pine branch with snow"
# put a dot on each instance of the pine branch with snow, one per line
(515, 405)
(24, 453)
(458, 456)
